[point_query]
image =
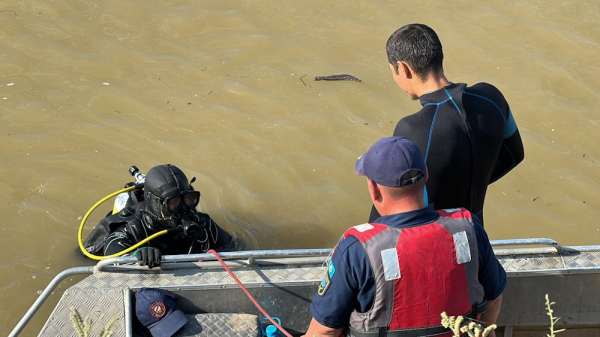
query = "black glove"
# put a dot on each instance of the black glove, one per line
(148, 256)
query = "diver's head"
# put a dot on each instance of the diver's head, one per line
(168, 194)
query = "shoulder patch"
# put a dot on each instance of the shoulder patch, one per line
(330, 269)
(364, 227)
(324, 285)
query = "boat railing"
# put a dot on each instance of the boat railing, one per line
(554, 246)
(307, 256)
(232, 259)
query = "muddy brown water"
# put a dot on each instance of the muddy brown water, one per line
(225, 91)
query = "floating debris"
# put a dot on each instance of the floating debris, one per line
(338, 77)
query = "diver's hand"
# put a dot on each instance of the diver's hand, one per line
(148, 256)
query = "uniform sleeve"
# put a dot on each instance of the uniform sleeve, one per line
(491, 273)
(347, 285)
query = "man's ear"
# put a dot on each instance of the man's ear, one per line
(395, 69)
(405, 69)
(374, 190)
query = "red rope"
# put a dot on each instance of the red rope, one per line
(247, 293)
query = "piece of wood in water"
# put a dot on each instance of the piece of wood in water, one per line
(338, 77)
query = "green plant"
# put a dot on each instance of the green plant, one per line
(472, 329)
(553, 319)
(83, 327)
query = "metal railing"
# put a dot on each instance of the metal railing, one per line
(529, 242)
(241, 258)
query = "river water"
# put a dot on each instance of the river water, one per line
(225, 91)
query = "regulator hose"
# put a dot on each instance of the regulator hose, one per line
(125, 251)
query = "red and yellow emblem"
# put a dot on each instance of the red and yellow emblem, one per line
(157, 309)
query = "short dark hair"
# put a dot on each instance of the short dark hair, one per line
(404, 191)
(419, 46)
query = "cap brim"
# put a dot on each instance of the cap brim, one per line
(359, 167)
(169, 325)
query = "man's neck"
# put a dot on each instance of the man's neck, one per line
(404, 205)
(433, 83)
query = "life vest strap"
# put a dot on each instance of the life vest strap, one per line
(430, 331)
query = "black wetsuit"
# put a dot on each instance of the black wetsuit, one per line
(130, 226)
(469, 139)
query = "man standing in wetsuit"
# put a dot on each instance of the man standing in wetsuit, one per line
(468, 135)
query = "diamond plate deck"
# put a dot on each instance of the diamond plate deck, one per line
(227, 325)
(100, 304)
(550, 261)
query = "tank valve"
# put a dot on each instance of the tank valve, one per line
(140, 178)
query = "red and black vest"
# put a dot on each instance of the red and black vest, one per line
(419, 273)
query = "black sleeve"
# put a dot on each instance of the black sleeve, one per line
(117, 241)
(511, 154)
(219, 239)
(511, 150)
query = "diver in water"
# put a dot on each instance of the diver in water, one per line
(168, 202)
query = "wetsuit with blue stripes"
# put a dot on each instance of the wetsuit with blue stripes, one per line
(469, 139)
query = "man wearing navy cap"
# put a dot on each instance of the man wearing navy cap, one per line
(396, 275)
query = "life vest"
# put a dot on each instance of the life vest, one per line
(420, 272)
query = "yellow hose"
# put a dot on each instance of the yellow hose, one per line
(95, 257)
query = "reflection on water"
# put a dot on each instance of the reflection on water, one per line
(225, 91)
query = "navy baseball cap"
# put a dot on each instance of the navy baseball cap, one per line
(389, 159)
(157, 310)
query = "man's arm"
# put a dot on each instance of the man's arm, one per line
(117, 242)
(511, 151)
(219, 239)
(121, 239)
(345, 287)
(316, 329)
(492, 310)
